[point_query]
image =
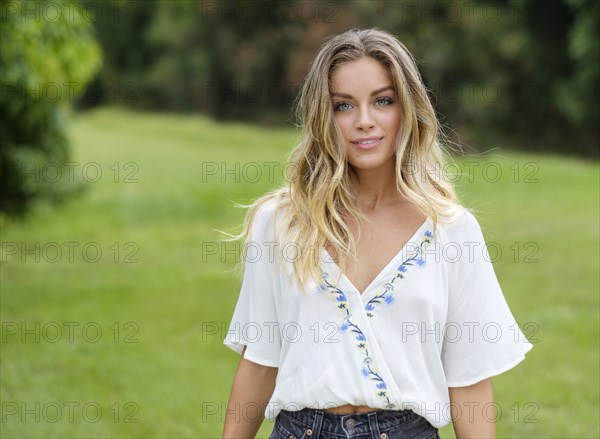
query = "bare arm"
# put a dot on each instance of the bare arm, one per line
(251, 391)
(468, 411)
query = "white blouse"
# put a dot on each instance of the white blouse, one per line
(434, 317)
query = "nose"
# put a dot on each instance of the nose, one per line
(364, 120)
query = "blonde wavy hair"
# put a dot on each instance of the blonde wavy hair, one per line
(318, 194)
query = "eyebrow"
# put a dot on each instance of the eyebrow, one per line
(379, 90)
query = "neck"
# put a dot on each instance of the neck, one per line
(376, 187)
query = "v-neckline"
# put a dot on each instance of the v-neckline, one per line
(383, 271)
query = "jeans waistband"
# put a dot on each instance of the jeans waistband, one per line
(354, 424)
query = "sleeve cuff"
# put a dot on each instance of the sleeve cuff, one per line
(250, 355)
(465, 382)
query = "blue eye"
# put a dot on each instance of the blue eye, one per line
(384, 101)
(341, 106)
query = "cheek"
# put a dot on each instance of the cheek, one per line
(345, 126)
(391, 121)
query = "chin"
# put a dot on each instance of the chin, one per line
(368, 165)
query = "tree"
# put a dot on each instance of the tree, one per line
(518, 74)
(48, 52)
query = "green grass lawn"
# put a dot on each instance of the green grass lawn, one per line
(131, 310)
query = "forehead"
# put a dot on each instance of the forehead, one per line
(365, 74)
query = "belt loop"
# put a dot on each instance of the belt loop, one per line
(373, 424)
(317, 423)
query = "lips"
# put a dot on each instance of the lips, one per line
(365, 143)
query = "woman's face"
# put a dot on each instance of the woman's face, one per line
(367, 111)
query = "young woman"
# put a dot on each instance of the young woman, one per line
(369, 307)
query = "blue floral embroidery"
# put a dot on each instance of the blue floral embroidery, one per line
(368, 369)
(387, 296)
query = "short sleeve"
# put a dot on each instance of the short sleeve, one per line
(254, 323)
(481, 337)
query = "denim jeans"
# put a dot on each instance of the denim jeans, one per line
(382, 424)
